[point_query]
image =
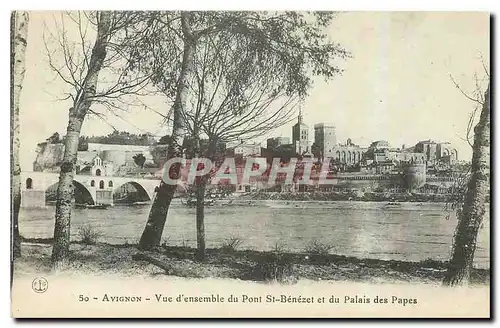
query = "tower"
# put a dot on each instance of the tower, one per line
(325, 139)
(300, 135)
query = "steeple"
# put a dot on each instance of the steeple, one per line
(300, 119)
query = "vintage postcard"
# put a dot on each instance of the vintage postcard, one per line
(226, 164)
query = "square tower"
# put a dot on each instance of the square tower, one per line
(325, 138)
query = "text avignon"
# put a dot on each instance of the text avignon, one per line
(121, 299)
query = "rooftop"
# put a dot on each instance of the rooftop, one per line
(323, 125)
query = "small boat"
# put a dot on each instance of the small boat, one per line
(393, 204)
(191, 202)
(140, 203)
(93, 207)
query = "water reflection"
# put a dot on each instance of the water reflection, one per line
(411, 232)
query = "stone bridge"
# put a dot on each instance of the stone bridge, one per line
(100, 188)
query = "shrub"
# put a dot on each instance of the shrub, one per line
(165, 241)
(275, 266)
(231, 244)
(318, 251)
(88, 234)
(279, 247)
(431, 263)
(316, 247)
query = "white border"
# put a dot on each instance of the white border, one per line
(358, 5)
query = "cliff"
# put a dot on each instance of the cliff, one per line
(49, 157)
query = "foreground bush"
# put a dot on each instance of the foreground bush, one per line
(276, 266)
(88, 234)
(231, 244)
(318, 251)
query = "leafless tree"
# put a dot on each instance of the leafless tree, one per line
(234, 99)
(88, 53)
(18, 42)
(293, 42)
(472, 203)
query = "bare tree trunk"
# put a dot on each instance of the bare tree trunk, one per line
(153, 231)
(474, 208)
(200, 201)
(18, 39)
(65, 190)
(200, 218)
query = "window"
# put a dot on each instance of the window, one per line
(101, 184)
(110, 184)
(92, 183)
(98, 172)
(29, 183)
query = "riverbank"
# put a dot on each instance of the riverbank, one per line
(228, 263)
(349, 196)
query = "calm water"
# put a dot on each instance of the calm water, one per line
(363, 229)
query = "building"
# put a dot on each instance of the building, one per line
(435, 152)
(99, 147)
(382, 167)
(429, 149)
(381, 158)
(446, 153)
(325, 139)
(405, 156)
(244, 150)
(379, 144)
(274, 143)
(97, 167)
(300, 136)
(348, 154)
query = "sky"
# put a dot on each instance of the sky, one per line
(396, 86)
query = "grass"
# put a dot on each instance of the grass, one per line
(88, 234)
(251, 265)
(275, 266)
(231, 244)
(316, 247)
(318, 251)
(165, 241)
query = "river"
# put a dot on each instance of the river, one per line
(411, 231)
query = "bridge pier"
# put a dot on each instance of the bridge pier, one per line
(31, 198)
(104, 197)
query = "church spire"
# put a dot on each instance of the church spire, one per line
(300, 119)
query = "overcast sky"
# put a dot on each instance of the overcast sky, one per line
(395, 88)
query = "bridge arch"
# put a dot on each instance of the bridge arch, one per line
(82, 194)
(121, 192)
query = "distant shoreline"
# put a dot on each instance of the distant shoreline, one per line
(350, 196)
(240, 201)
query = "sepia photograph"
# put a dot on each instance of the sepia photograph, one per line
(250, 164)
